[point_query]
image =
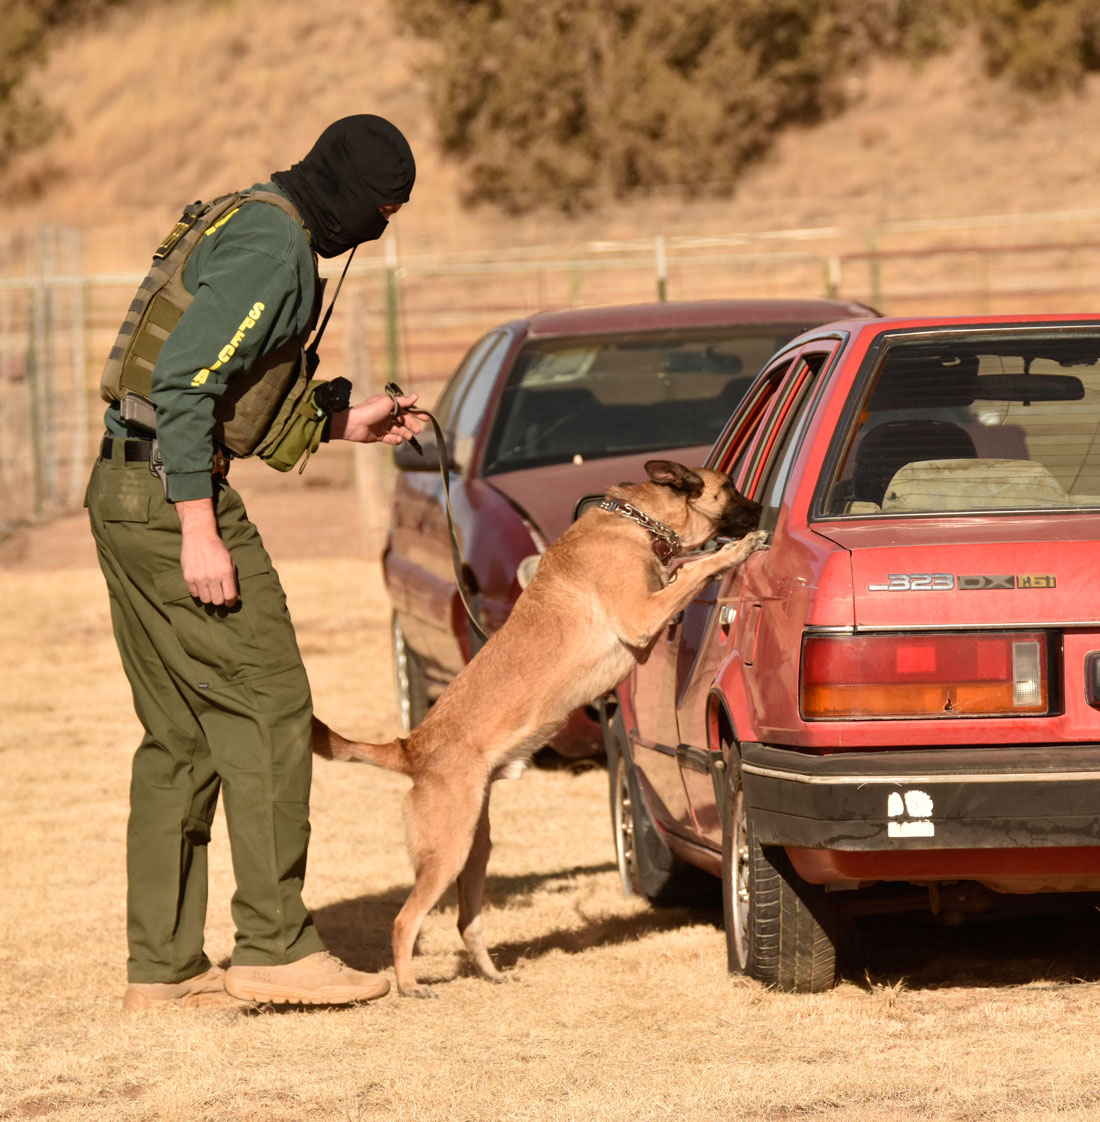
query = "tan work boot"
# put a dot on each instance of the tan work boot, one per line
(204, 990)
(318, 979)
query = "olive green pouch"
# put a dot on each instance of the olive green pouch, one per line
(296, 431)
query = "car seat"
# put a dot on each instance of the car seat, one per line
(893, 444)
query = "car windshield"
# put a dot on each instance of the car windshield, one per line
(1005, 420)
(581, 399)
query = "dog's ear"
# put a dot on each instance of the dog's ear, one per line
(671, 474)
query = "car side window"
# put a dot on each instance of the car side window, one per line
(466, 417)
(743, 436)
(789, 421)
(459, 382)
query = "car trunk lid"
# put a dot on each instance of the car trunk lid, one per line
(547, 495)
(1033, 570)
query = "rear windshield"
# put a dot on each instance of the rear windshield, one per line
(1006, 421)
(576, 400)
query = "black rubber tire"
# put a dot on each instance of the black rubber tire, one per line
(647, 867)
(779, 929)
(410, 681)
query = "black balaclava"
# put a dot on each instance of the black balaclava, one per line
(358, 164)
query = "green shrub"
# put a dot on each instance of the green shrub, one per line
(24, 29)
(1044, 47)
(588, 100)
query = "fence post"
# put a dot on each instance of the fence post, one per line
(38, 376)
(874, 271)
(369, 464)
(78, 313)
(832, 276)
(393, 314)
(574, 284)
(662, 268)
(11, 368)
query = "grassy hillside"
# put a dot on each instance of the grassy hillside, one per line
(170, 103)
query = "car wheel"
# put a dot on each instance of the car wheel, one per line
(647, 867)
(622, 826)
(779, 929)
(410, 681)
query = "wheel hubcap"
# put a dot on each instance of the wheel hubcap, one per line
(624, 829)
(740, 896)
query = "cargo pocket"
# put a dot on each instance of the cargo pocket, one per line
(253, 637)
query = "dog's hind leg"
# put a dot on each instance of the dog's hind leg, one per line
(471, 896)
(441, 821)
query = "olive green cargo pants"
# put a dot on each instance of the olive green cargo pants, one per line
(225, 703)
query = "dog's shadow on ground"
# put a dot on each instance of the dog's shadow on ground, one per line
(358, 930)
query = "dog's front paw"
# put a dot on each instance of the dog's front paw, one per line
(733, 553)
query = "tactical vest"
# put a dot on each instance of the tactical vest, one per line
(244, 413)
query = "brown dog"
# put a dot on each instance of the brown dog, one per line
(598, 598)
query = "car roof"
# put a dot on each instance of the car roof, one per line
(672, 314)
(906, 323)
(870, 326)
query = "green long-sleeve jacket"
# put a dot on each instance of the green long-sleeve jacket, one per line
(254, 282)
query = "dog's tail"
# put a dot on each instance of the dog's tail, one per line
(330, 745)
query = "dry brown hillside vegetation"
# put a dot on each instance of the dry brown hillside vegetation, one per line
(165, 103)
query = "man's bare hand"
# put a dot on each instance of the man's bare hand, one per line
(373, 421)
(208, 568)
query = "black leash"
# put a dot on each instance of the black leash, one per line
(394, 391)
(312, 361)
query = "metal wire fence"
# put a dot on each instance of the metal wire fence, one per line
(411, 318)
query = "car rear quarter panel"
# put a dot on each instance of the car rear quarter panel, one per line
(801, 577)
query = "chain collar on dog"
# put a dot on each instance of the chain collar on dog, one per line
(666, 542)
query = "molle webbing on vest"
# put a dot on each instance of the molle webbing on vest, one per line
(245, 411)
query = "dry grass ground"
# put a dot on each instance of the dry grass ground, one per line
(619, 1013)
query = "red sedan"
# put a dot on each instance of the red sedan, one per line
(904, 688)
(540, 412)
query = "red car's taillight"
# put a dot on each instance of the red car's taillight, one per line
(954, 674)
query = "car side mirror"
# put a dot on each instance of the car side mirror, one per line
(586, 502)
(407, 458)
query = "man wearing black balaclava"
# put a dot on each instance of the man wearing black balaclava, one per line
(198, 612)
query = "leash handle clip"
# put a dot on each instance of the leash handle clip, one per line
(394, 391)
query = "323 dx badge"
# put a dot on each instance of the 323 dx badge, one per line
(949, 582)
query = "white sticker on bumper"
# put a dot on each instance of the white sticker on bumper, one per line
(910, 813)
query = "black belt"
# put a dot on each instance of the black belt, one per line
(134, 451)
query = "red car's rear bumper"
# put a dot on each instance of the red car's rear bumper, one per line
(1021, 819)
